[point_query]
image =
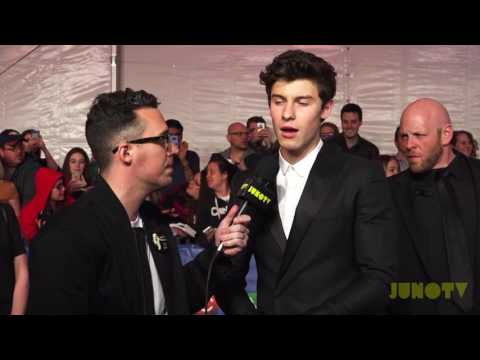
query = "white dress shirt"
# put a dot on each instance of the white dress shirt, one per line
(158, 296)
(291, 180)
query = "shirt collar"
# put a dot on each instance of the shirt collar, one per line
(303, 167)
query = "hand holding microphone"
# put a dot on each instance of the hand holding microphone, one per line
(232, 232)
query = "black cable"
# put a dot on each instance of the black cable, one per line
(209, 274)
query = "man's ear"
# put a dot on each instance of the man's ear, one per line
(125, 153)
(447, 134)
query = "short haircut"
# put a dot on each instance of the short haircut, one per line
(256, 119)
(297, 65)
(111, 116)
(353, 108)
(172, 123)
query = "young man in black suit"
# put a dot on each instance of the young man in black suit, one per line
(437, 200)
(328, 246)
(111, 253)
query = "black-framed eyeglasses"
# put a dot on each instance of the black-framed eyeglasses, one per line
(162, 140)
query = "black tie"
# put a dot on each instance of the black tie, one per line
(144, 270)
(456, 243)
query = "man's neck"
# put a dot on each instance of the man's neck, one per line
(223, 191)
(292, 157)
(351, 142)
(445, 159)
(130, 195)
(237, 154)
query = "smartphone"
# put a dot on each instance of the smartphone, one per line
(174, 139)
(260, 126)
(35, 134)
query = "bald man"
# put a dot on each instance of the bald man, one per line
(437, 202)
(237, 136)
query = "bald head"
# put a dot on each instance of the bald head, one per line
(426, 129)
(238, 136)
(429, 111)
(236, 126)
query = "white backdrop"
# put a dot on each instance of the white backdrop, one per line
(208, 87)
(51, 88)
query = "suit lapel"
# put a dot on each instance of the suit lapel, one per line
(319, 184)
(277, 231)
(404, 197)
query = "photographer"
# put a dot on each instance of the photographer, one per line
(34, 146)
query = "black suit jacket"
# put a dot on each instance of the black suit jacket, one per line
(339, 256)
(85, 261)
(413, 249)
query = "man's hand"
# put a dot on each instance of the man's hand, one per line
(233, 232)
(182, 151)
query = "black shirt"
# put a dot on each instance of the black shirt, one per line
(363, 147)
(11, 246)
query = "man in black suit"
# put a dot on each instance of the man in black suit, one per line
(437, 201)
(328, 246)
(111, 253)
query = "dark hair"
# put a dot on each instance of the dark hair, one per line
(354, 108)
(28, 132)
(172, 123)
(397, 134)
(67, 174)
(330, 125)
(224, 166)
(298, 64)
(470, 137)
(256, 119)
(110, 115)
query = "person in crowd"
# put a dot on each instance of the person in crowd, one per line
(49, 199)
(9, 193)
(213, 205)
(350, 140)
(260, 136)
(463, 142)
(237, 136)
(34, 146)
(75, 173)
(328, 130)
(401, 150)
(436, 202)
(13, 265)
(390, 165)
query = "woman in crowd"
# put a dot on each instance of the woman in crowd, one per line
(9, 193)
(13, 265)
(463, 142)
(49, 198)
(391, 166)
(75, 173)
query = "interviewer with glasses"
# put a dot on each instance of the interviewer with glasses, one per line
(111, 252)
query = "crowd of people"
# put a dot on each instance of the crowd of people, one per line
(100, 235)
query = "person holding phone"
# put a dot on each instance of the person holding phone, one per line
(260, 140)
(75, 173)
(34, 145)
